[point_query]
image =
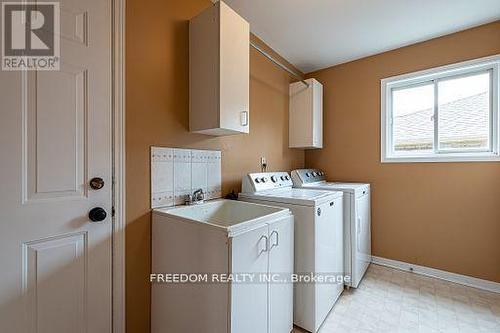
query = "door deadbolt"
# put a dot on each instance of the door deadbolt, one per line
(96, 183)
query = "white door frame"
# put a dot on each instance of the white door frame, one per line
(118, 100)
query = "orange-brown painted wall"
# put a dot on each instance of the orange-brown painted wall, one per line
(157, 98)
(441, 215)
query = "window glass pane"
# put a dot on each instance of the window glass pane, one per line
(464, 112)
(413, 123)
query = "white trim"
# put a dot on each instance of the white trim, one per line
(484, 157)
(463, 68)
(118, 77)
(439, 274)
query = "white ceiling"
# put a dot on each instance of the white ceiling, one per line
(314, 34)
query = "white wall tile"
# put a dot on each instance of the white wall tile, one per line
(199, 176)
(161, 154)
(162, 199)
(182, 155)
(162, 177)
(163, 174)
(176, 173)
(214, 180)
(200, 156)
(182, 176)
(180, 197)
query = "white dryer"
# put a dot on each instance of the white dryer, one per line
(357, 221)
(318, 241)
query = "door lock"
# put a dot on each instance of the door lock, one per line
(96, 183)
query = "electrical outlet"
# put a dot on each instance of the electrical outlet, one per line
(263, 164)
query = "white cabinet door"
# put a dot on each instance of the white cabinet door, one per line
(234, 71)
(281, 263)
(249, 310)
(55, 135)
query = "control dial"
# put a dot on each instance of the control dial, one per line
(274, 179)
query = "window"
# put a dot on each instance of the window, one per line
(443, 114)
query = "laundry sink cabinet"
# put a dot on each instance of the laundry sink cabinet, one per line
(217, 242)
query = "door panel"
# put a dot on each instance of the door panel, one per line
(55, 135)
(281, 262)
(249, 310)
(46, 293)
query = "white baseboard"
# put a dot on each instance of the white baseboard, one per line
(439, 274)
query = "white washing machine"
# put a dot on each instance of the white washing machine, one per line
(357, 221)
(318, 241)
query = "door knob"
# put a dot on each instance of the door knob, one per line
(97, 214)
(96, 183)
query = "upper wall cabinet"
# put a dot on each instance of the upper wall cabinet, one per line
(219, 72)
(306, 115)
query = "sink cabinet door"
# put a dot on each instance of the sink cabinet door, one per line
(249, 309)
(281, 264)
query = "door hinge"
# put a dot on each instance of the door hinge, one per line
(113, 211)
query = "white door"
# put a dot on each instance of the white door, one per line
(55, 135)
(249, 254)
(281, 263)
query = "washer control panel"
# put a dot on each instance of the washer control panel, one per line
(304, 176)
(255, 182)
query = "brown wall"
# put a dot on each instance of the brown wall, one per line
(157, 114)
(441, 215)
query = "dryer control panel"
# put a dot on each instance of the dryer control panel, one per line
(305, 176)
(255, 182)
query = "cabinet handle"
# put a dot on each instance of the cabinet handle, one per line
(277, 239)
(266, 243)
(244, 118)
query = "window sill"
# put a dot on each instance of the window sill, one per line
(487, 157)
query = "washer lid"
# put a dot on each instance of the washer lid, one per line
(344, 187)
(294, 196)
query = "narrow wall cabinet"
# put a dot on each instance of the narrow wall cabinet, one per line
(306, 115)
(219, 72)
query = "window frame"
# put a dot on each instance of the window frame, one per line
(433, 76)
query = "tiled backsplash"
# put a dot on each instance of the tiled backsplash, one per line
(176, 173)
